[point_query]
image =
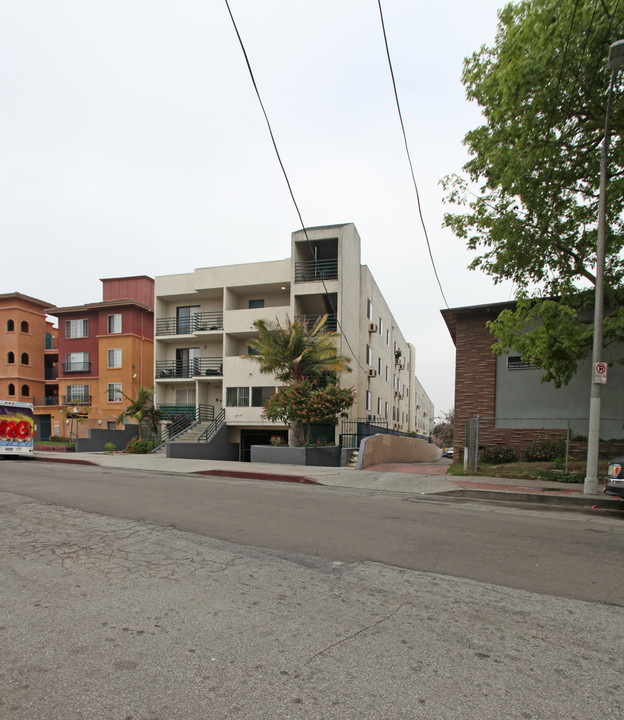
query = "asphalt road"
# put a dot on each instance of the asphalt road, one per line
(562, 554)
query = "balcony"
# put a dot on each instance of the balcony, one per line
(50, 373)
(195, 367)
(331, 323)
(75, 367)
(311, 270)
(46, 401)
(199, 322)
(79, 400)
(51, 343)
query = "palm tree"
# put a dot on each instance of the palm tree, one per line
(294, 352)
(142, 410)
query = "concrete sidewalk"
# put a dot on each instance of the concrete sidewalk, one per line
(415, 479)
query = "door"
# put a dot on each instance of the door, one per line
(185, 319)
(187, 362)
(45, 426)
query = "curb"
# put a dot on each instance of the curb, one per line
(74, 461)
(247, 475)
(588, 502)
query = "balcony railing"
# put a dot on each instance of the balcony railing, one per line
(199, 322)
(331, 323)
(47, 400)
(311, 270)
(50, 373)
(76, 367)
(72, 400)
(51, 343)
(195, 367)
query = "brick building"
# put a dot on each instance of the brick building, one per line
(513, 406)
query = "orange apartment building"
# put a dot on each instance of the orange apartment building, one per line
(28, 355)
(105, 351)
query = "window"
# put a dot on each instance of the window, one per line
(369, 400)
(10, 326)
(24, 359)
(369, 310)
(77, 362)
(25, 391)
(386, 410)
(77, 394)
(185, 396)
(379, 367)
(185, 316)
(387, 373)
(24, 326)
(114, 393)
(114, 358)
(381, 327)
(259, 395)
(11, 389)
(237, 397)
(379, 406)
(256, 303)
(76, 328)
(369, 355)
(113, 323)
(514, 362)
(252, 350)
(10, 358)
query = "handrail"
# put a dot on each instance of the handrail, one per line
(202, 413)
(310, 270)
(213, 427)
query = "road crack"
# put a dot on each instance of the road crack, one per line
(355, 634)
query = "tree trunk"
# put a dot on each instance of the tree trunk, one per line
(295, 436)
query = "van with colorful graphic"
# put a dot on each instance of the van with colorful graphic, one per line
(16, 428)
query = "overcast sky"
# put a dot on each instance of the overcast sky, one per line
(131, 142)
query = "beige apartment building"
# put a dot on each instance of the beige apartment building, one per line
(204, 320)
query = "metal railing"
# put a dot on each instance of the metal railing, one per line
(195, 367)
(81, 400)
(51, 343)
(331, 323)
(75, 367)
(181, 421)
(311, 270)
(50, 373)
(199, 322)
(47, 400)
(213, 427)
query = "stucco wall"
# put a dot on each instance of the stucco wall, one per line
(391, 448)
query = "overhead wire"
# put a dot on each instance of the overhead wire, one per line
(290, 190)
(409, 159)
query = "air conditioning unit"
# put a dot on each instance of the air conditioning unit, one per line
(372, 373)
(372, 327)
(397, 394)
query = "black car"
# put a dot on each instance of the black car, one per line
(614, 479)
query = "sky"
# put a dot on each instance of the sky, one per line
(132, 143)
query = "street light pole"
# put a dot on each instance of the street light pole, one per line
(590, 486)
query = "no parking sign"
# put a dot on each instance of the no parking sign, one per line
(600, 373)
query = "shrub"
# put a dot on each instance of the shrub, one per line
(60, 439)
(109, 447)
(544, 450)
(138, 447)
(498, 454)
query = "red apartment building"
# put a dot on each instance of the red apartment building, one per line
(104, 349)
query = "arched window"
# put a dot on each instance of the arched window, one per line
(25, 391)
(24, 358)
(10, 357)
(10, 326)
(24, 326)
(11, 389)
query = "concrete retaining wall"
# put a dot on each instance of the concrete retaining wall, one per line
(219, 448)
(98, 437)
(323, 456)
(378, 449)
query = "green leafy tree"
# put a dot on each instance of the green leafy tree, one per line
(528, 204)
(303, 404)
(443, 429)
(307, 361)
(142, 410)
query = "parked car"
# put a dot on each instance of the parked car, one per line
(614, 479)
(448, 452)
